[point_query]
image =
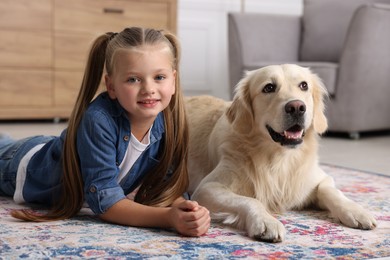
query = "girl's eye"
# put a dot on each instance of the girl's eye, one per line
(303, 85)
(269, 88)
(160, 77)
(133, 80)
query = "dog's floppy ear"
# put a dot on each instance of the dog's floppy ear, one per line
(240, 112)
(320, 123)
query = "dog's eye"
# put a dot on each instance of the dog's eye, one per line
(269, 88)
(303, 86)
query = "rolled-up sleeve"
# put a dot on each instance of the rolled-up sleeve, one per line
(96, 145)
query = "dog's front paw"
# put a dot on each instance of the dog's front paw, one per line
(355, 216)
(267, 229)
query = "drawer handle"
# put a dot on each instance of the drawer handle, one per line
(112, 11)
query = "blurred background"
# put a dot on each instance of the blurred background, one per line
(203, 30)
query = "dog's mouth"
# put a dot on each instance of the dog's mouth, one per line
(290, 137)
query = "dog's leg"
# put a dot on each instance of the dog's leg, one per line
(343, 209)
(239, 211)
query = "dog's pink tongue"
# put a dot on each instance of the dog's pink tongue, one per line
(293, 134)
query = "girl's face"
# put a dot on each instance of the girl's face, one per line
(143, 81)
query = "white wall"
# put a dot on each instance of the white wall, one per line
(202, 30)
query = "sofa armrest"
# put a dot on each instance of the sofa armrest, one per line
(363, 79)
(255, 37)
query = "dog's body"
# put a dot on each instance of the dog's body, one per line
(258, 154)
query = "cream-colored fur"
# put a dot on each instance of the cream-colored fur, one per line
(242, 175)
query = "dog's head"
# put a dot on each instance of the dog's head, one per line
(283, 102)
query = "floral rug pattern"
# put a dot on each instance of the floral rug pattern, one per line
(310, 234)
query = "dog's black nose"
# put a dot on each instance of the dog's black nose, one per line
(295, 108)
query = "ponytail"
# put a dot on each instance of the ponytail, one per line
(72, 198)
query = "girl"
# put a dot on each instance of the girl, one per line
(130, 140)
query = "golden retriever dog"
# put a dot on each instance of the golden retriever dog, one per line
(257, 155)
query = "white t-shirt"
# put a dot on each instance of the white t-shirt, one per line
(21, 173)
(133, 152)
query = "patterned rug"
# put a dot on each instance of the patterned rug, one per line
(310, 234)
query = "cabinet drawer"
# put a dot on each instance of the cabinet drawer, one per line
(25, 49)
(26, 14)
(105, 15)
(71, 49)
(67, 85)
(21, 88)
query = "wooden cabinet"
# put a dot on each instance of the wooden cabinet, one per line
(44, 46)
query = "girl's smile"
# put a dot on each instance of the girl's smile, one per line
(149, 103)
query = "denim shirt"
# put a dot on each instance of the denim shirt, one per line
(102, 140)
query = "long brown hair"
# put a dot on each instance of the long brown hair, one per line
(155, 190)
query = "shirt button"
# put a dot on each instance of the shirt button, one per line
(126, 138)
(92, 189)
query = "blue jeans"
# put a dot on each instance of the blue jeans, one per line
(11, 152)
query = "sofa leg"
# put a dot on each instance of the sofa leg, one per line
(354, 135)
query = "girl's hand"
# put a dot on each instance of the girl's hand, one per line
(189, 218)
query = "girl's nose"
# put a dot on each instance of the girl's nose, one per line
(148, 88)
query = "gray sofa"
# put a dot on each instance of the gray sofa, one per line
(345, 42)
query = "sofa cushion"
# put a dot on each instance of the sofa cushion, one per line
(325, 24)
(265, 37)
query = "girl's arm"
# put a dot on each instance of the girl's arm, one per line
(187, 217)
